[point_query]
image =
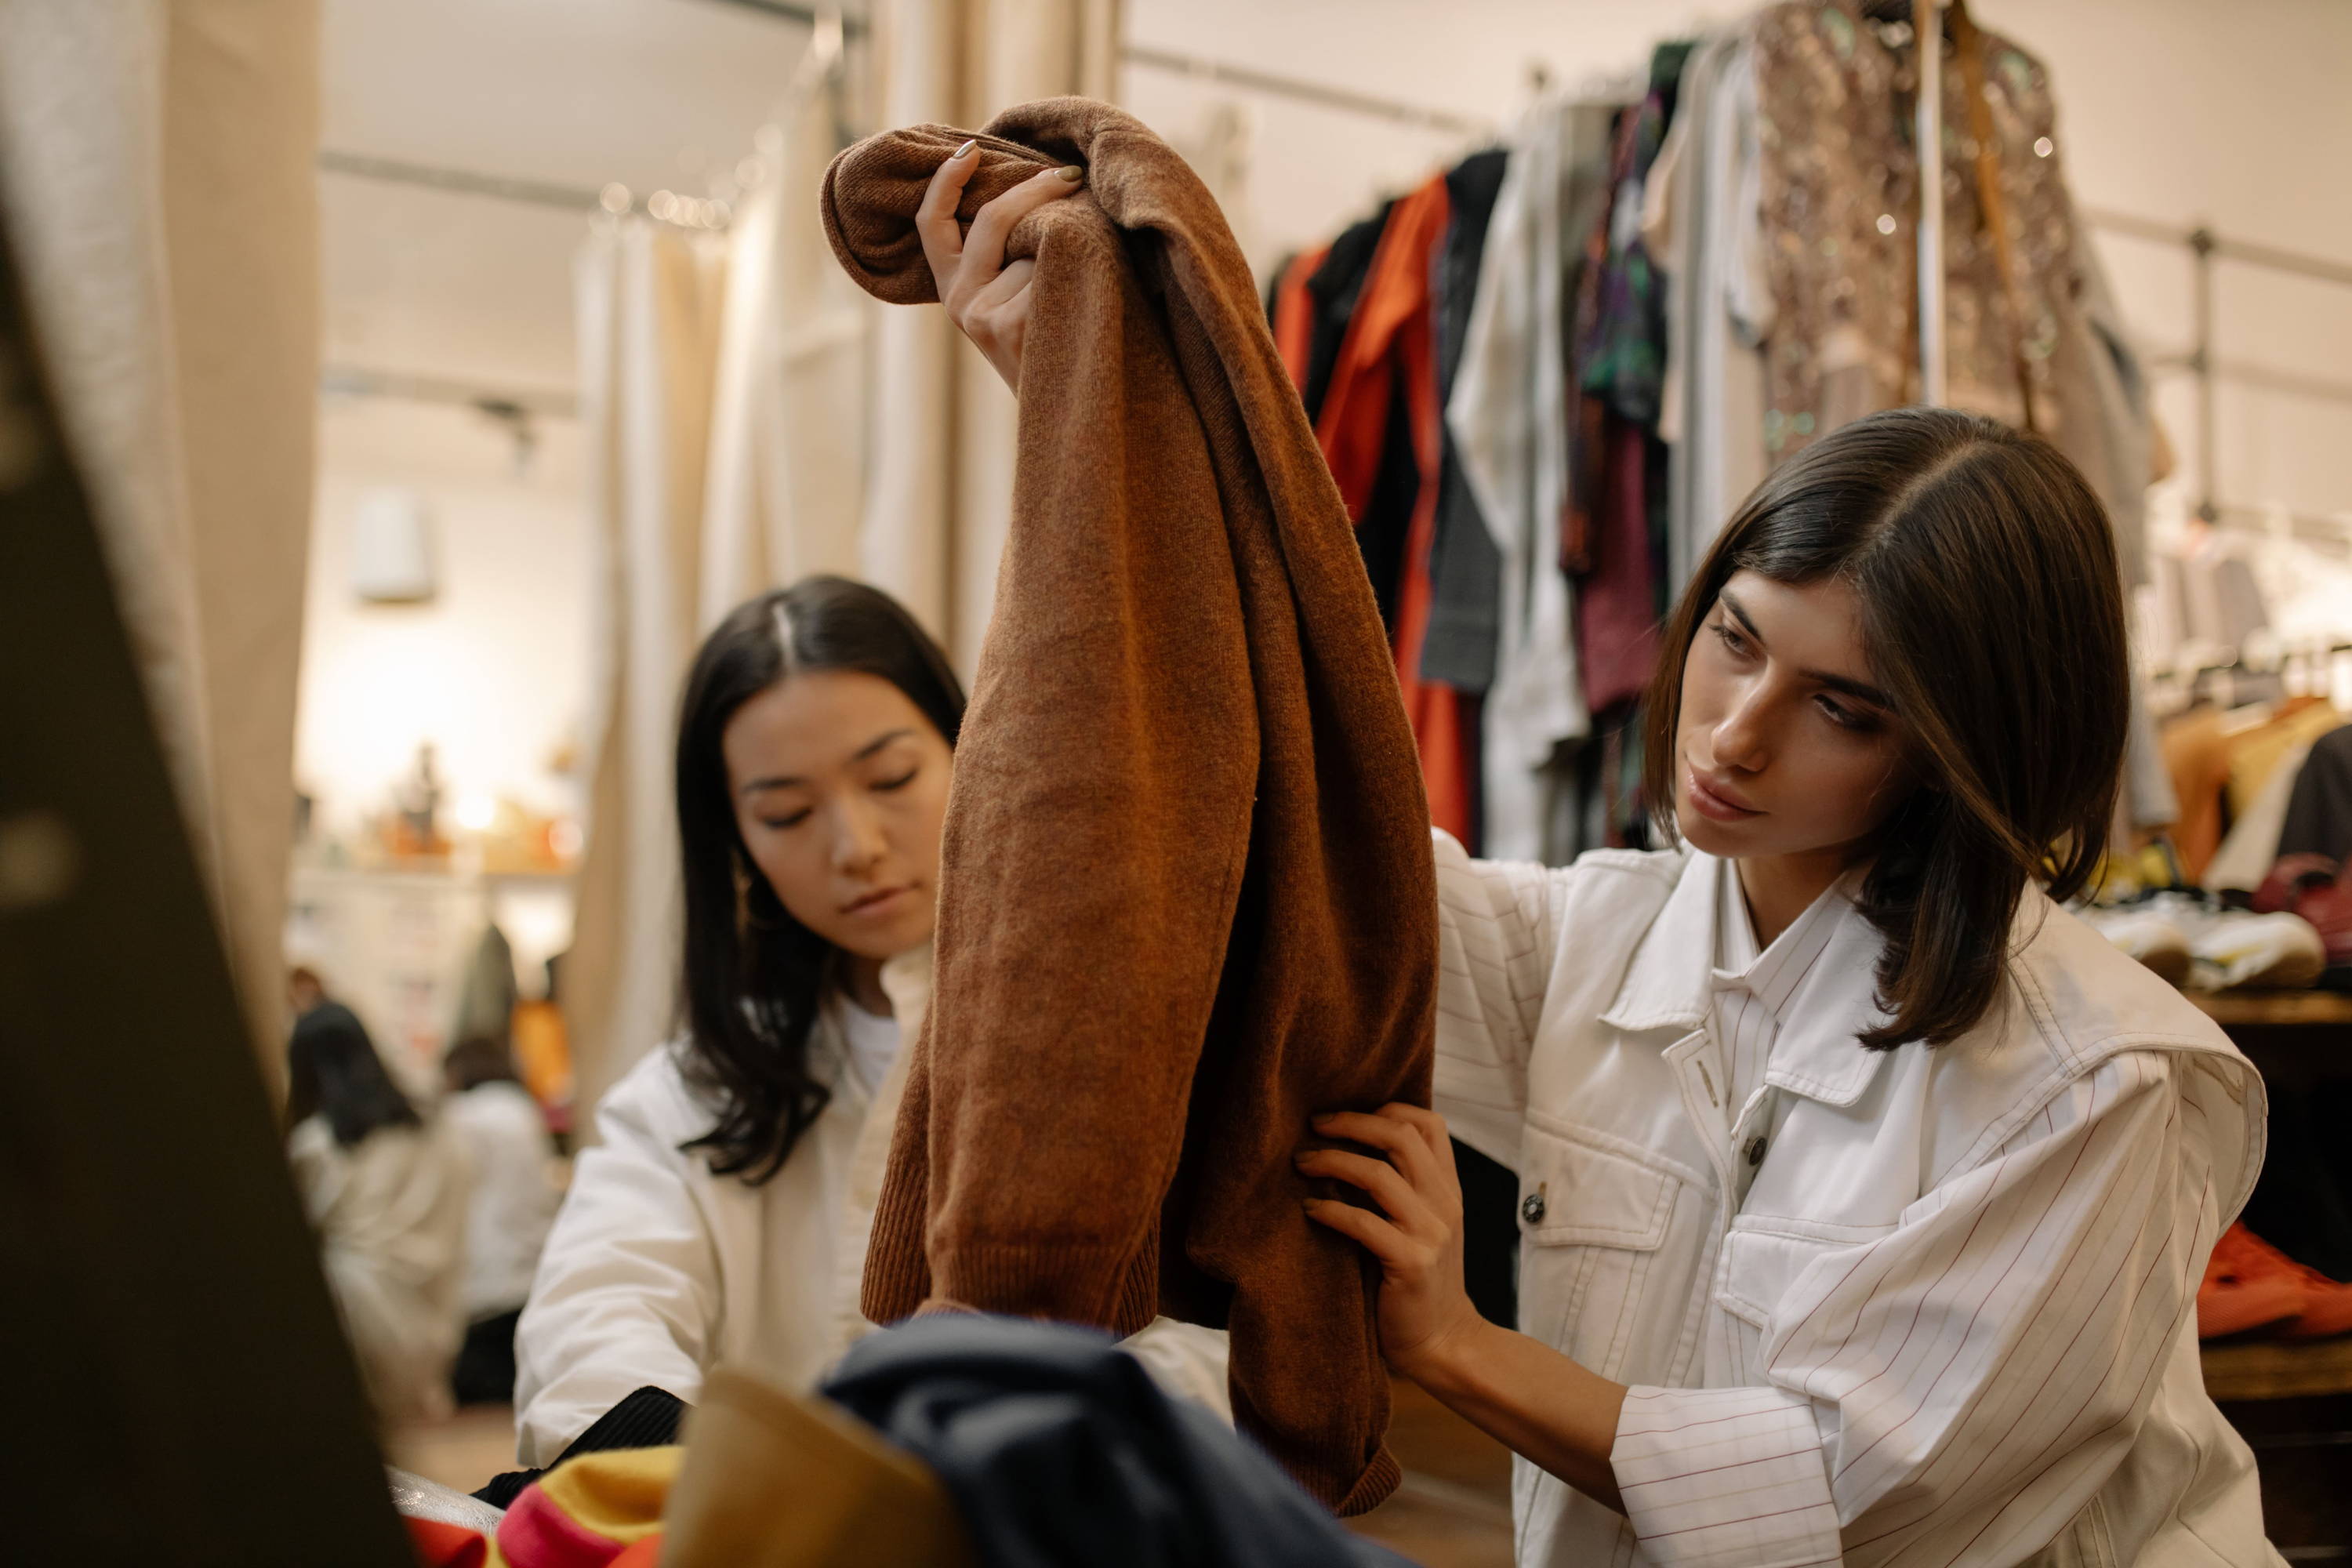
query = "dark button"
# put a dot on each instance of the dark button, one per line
(1531, 1208)
(1756, 1149)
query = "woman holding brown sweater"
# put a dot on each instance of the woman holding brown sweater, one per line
(1865, 1191)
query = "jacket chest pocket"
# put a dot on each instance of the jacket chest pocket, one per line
(1595, 1213)
(1762, 1259)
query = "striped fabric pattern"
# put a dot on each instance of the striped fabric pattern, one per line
(1929, 1308)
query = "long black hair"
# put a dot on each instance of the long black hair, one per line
(754, 976)
(332, 1071)
(1992, 613)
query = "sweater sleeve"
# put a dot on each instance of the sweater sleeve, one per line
(628, 1293)
(1965, 1383)
(1494, 950)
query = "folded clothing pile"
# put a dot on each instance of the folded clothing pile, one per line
(951, 1442)
(2311, 888)
(2192, 941)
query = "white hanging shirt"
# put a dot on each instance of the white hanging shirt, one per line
(1946, 1318)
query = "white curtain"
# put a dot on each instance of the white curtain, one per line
(943, 437)
(752, 417)
(158, 166)
(724, 404)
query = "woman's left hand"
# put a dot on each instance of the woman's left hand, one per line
(1424, 1311)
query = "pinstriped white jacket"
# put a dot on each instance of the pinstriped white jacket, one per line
(1931, 1306)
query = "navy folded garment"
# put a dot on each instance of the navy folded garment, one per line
(1059, 1449)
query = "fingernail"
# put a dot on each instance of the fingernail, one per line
(1320, 1117)
(964, 150)
(1071, 173)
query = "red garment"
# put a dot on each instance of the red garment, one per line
(440, 1545)
(1391, 334)
(1294, 313)
(2249, 1284)
(1616, 602)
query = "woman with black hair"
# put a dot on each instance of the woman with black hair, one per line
(387, 1192)
(724, 1213)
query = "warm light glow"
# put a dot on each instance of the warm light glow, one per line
(476, 811)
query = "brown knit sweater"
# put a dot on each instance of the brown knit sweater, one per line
(1187, 897)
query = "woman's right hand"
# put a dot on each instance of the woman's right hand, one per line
(988, 301)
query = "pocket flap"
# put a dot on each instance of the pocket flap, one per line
(1761, 1262)
(1580, 1188)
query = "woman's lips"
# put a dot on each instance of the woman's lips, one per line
(1713, 805)
(882, 902)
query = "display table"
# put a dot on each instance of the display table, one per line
(2234, 1010)
(2290, 1036)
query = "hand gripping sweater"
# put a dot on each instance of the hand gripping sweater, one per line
(1186, 897)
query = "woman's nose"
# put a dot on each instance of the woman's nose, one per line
(857, 840)
(1741, 739)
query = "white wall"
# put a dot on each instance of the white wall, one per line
(2176, 110)
(494, 671)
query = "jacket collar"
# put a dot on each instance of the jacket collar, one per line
(1670, 982)
(1667, 984)
(1817, 1055)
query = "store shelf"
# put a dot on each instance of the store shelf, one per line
(2274, 1008)
(2278, 1369)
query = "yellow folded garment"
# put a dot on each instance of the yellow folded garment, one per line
(771, 1480)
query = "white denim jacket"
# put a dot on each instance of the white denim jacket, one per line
(1942, 1313)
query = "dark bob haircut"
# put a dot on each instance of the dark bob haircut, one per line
(332, 1071)
(753, 977)
(1992, 616)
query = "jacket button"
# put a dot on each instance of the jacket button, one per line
(1756, 1149)
(1531, 1208)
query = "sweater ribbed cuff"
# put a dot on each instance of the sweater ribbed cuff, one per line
(1104, 1287)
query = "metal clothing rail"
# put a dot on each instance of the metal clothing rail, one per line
(499, 403)
(1300, 89)
(498, 187)
(2205, 249)
(812, 14)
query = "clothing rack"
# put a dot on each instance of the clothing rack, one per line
(1929, 130)
(2206, 248)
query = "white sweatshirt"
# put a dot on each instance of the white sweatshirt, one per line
(390, 1211)
(657, 1270)
(514, 1199)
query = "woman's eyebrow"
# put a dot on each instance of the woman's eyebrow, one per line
(1861, 690)
(1856, 689)
(880, 741)
(788, 780)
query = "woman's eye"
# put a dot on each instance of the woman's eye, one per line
(1847, 718)
(1729, 637)
(789, 819)
(902, 781)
